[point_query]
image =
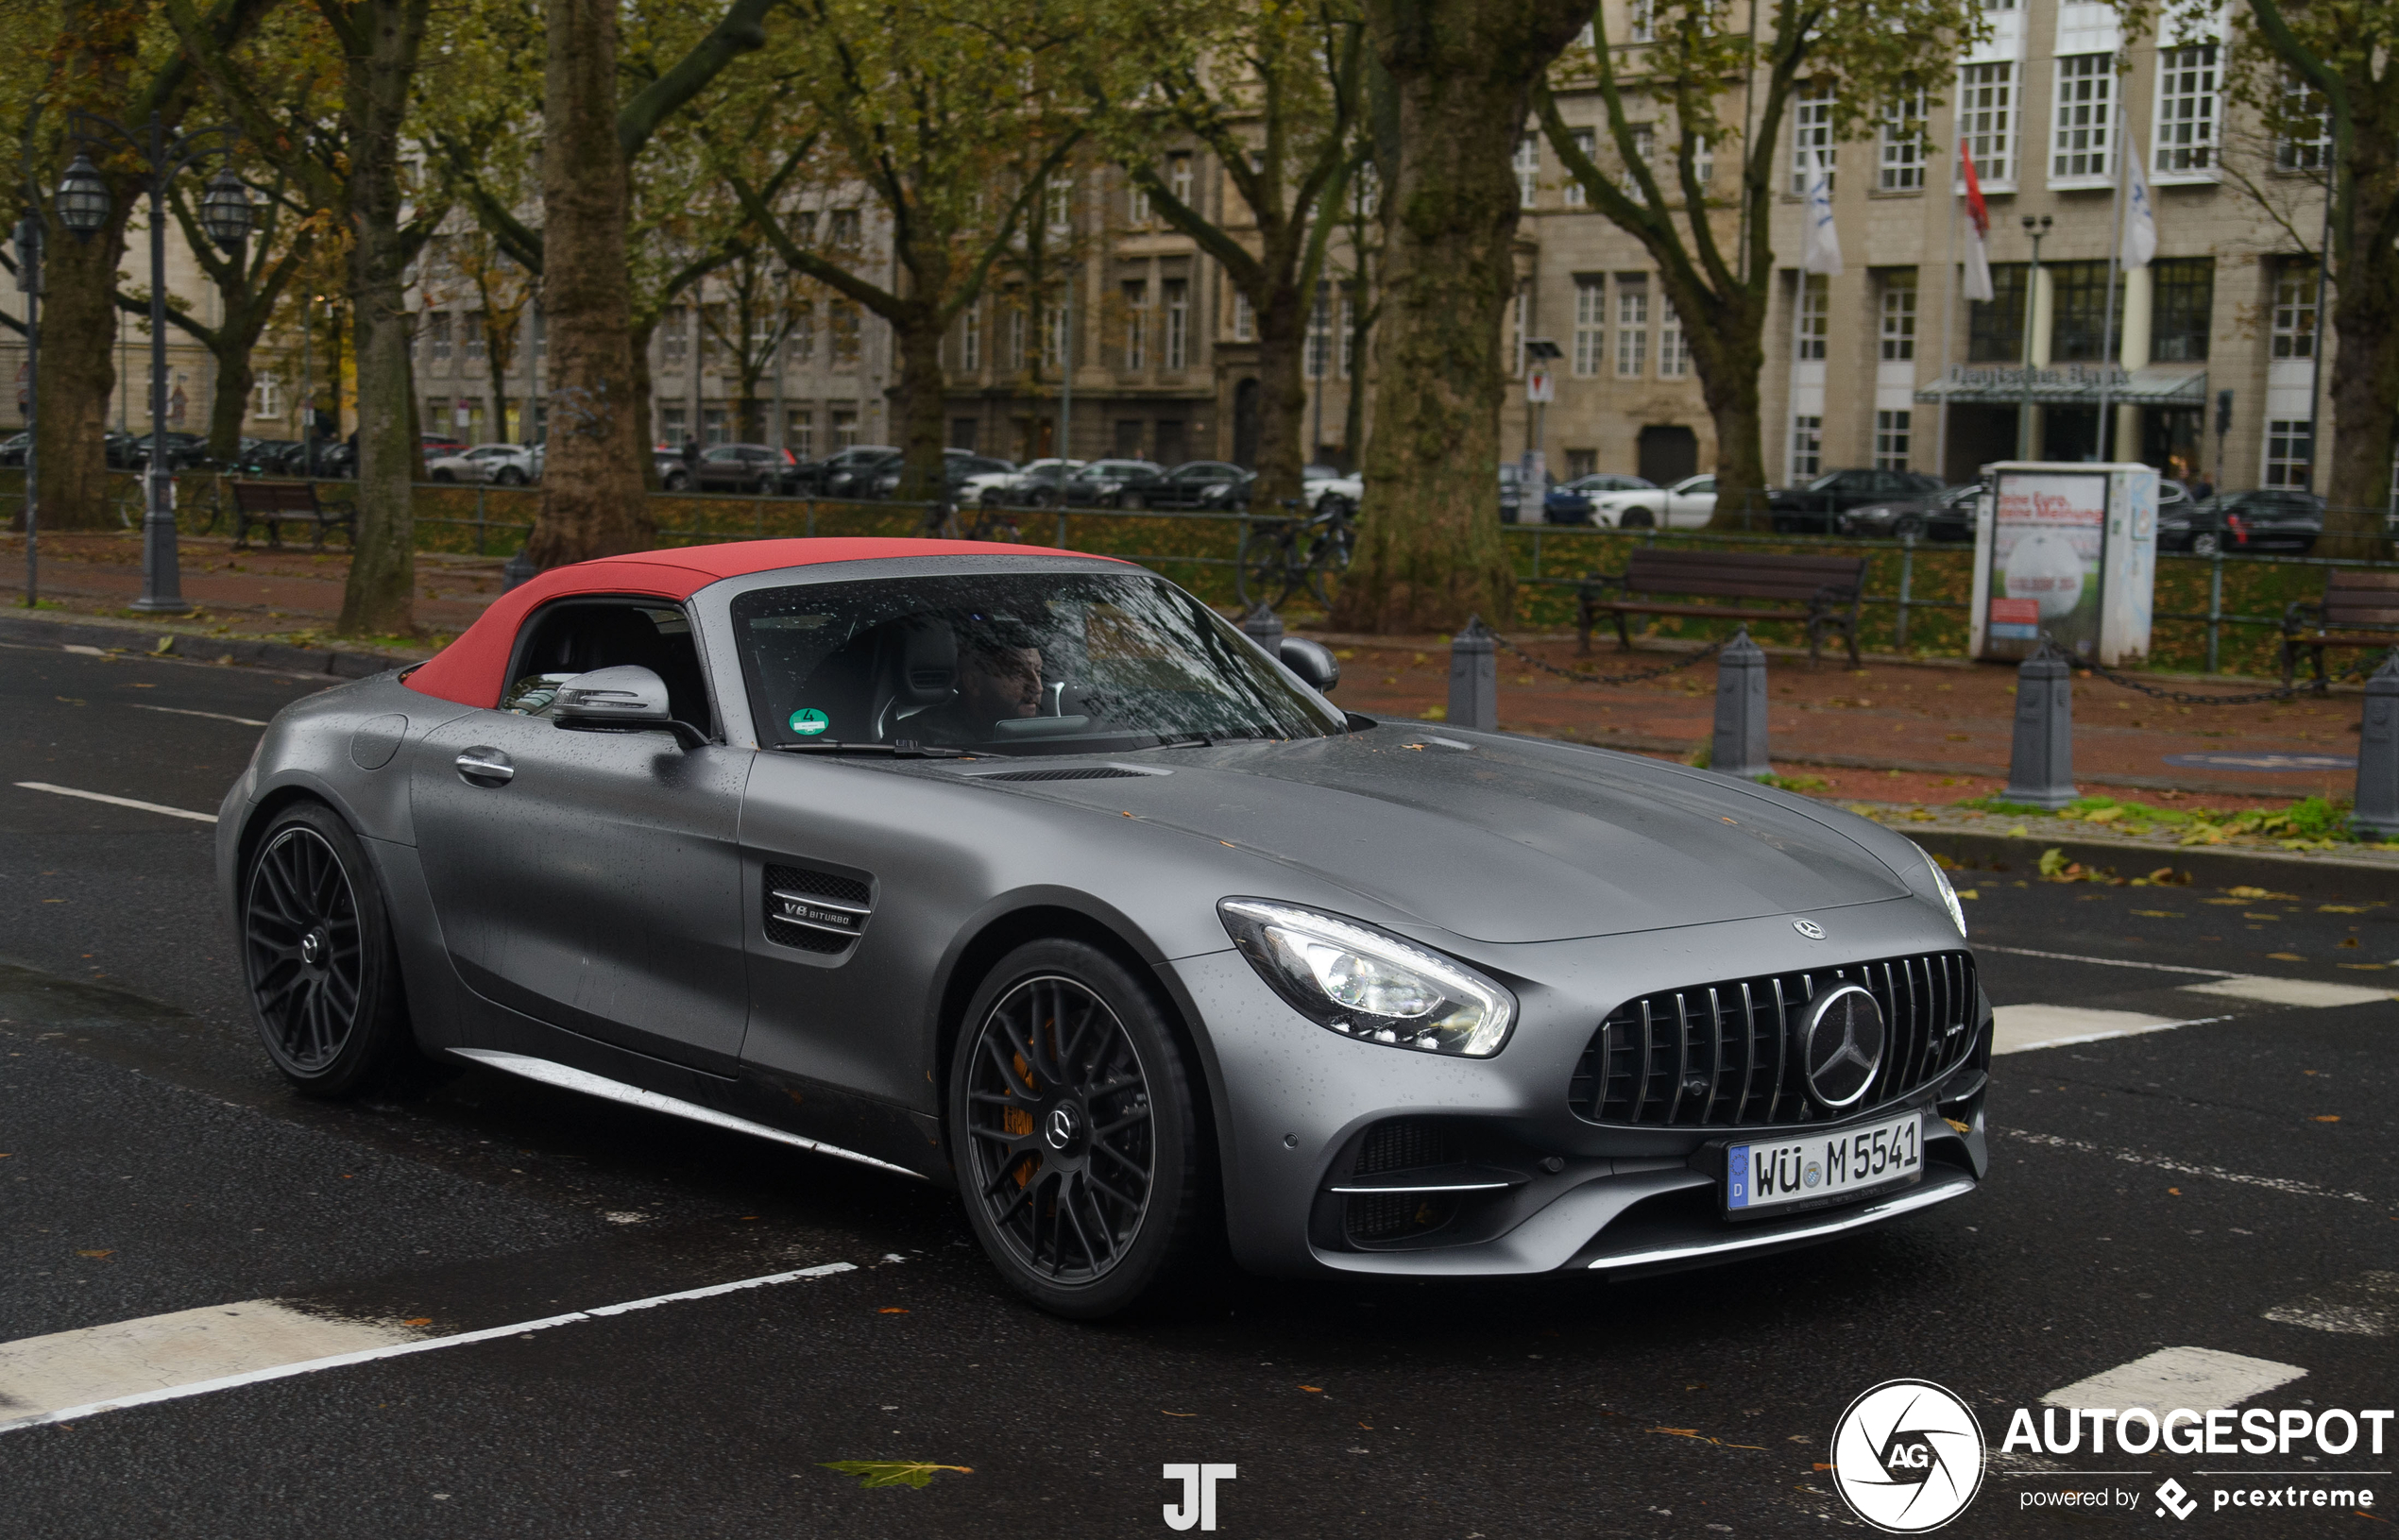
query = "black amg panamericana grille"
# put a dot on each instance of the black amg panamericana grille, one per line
(1726, 1054)
(828, 927)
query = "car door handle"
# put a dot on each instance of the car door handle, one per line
(486, 767)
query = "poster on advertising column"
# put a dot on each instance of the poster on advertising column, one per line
(2047, 529)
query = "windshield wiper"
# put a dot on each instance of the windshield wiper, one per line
(902, 748)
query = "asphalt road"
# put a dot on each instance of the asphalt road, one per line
(2154, 1191)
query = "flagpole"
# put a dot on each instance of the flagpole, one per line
(1951, 278)
(2106, 451)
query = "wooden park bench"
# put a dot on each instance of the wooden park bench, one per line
(1822, 591)
(277, 503)
(2359, 609)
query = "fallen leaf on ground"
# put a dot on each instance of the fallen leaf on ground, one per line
(109, 1253)
(2320, 1117)
(873, 1473)
(418, 1320)
(1313, 1390)
(1163, 1413)
(892, 1310)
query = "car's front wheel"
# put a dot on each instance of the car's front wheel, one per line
(318, 958)
(1076, 1134)
(1636, 519)
(2206, 544)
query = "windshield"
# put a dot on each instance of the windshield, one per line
(1021, 663)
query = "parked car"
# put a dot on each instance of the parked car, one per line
(1686, 505)
(1111, 483)
(1570, 502)
(435, 446)
(1014, 488)
(1816, 507)
(2268, 519)
(1161, 949)
(1316, 484)
(756, 469)
(853, 472)
(501, 464)
(958, 468)
(1947, 515)
(12, 448)
(1191, 484)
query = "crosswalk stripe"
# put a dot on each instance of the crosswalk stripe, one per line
(2364, 1306)
(118, 802)
(2291, 991)
(2022, 1028)
(2177, 1376)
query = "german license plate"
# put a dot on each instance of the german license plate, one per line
(1809, 1170)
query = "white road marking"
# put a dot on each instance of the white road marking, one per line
(82, 650)
(2291, 991)
(52, 1364)
(185, 711)
(2365, 1305)
(2184, 1168)
(130, 1358)
(118, 802)
(2198, 1377)
(2107, 962)
(2021, 1028)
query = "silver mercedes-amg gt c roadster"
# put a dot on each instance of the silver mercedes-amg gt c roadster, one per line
(1025, 873)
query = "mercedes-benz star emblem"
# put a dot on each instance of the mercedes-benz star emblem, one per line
(1062, 1127)
(1841, 1043)
(1808, 928)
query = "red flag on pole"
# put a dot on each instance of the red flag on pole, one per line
(1978, 251)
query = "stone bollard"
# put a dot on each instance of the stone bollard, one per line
(1264, 627)
(1739, 747)
(2378, 753)
(1475, 678)
(516, 570)
(2041, 766)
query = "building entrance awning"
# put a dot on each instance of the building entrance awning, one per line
(2067, 384)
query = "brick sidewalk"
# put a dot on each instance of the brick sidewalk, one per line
(1903, 732)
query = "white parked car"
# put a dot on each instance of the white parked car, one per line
(1685, 505)
(1319, 490)
(502, 464)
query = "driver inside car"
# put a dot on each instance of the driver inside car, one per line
(997, 681)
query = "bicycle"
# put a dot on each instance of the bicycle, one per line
(1279, 556)
(995, 523)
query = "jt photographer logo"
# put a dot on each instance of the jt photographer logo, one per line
(1907, 1456)
(1199, 1506)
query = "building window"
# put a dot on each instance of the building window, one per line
(1898, 317)
(1987, 117)
(1136, 300)
(2295, 310)
(1137, 203)
(970, 338)
(1891, 441)
(1703, 161)
(2186, 131)
(1245, 318)
(1904, 150)
(1581, 462)
(1812, 134)
(1586, 145)
(1349, 330)
(2291, 454)
(437, 327)
(1528, 170)
(1053, 337)
(1645, 145)
(1632, 323)
(1591, 324)
(799, 344)
(844, 420)
(711, 335)
(847, 228)
(266, 398)
(1807, 446)
(1815, 315)
(1178, 324)
(1320, 332)
(841, 318)
(716, 426)
(799, 432)
(2078, 142)
(471, 338)
(1995, 328)
(2303, 135)
(1640, 22)
(2078, 313)
(2182, 304)
(1673, 347)
(1057, 201)
(674, 427)
(1179, 179)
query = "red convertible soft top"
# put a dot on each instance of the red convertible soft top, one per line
(470, 669)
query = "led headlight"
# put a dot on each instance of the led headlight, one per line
(1369, 984)
(1948, 896)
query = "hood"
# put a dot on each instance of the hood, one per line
(1503, 839)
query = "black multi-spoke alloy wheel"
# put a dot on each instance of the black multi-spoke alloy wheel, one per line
(1077, 1140)
(317, 956)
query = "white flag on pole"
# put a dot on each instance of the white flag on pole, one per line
(2140, 213)
(1820, 245)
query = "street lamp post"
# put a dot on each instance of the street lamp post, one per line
(83, 207)
(2035, 228)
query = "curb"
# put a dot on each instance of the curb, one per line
(155, 640)
(2306, 876)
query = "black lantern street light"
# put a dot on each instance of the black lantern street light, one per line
(83, 206)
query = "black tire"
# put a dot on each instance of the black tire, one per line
(1636, 519)
(318, 957)
(675, 480)
(510, 476)
(1076, 1134)
(1909, 526)
(1130, 502)
(2204, 543)
(444, 476)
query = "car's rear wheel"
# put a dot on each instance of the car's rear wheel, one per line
(1636, 519)
(318, 958)
(1077, 1136)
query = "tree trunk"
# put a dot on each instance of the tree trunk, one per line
(381, 596)
(917, 332)
(591, 484)
(234, 379)
(78, 367)
(2365, 360)
(644, 397)
(1728, 353)
(1461, 72)
(1283, 396)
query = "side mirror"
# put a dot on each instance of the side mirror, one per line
(627, 697)
(1313, 662)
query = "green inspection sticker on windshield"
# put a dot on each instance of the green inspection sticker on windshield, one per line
(807, 721)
